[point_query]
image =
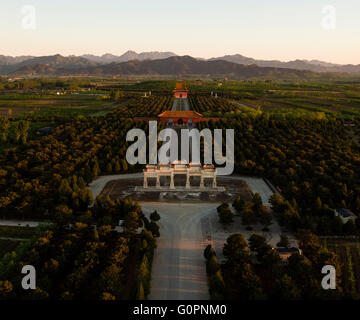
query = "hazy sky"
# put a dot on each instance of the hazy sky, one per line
(262, 29)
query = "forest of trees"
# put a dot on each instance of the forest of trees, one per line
(155, 104)
(253, 270)
(82, 255)
(314, 163)
(39, 174)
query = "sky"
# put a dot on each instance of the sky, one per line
(262, 29)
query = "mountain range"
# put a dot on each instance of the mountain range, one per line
(311, 65)
(165, 63)
(128, 56)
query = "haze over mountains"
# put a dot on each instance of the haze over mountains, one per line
(311, 65)
(128, 56)
(164, 63)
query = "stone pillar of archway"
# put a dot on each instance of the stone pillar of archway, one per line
(145, 182)
(172, 184)
(188, 186)
(158, 181)
(214, 181)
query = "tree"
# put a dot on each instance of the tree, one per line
(212, 266)
(107, 296)
(277, 203)
(124, 165)
(217, 286)
(350, 227)
(155, 216)
(6, 289)
(4, 127)
(140, 293)
(257, 201)
(209, 252)
(116, 95)
(249, 217)
(24, 127)
(63, 215)
(239, 204)
(131, 222)
(224, 205)
(225, 215)
(154, 228)
(256, 241)
(318, 204)
(109, 167)
(17, 131)
(235, 245)
(286, 289)
(284, 241)
(265, 217)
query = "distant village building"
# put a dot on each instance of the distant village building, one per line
(285, 253)
(345, 215)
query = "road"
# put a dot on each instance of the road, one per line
(256, 185)
(99, 183)
(178, 271)
(20, 223)
(180, 104)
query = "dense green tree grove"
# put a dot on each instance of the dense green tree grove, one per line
(253, 270)
(83, 256)
(150, 106)
(210, 105)
(253, 212)
(314, 164)
(37, 175)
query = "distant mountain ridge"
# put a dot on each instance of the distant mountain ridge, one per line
(175, 66)
(8, 60)
(92, 64)
(128, 56)
(312, 65)
(56, 61)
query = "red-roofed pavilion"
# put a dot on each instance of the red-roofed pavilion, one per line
(180, 116)
(181, 91)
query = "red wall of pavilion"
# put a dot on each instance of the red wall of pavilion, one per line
(183, 94)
